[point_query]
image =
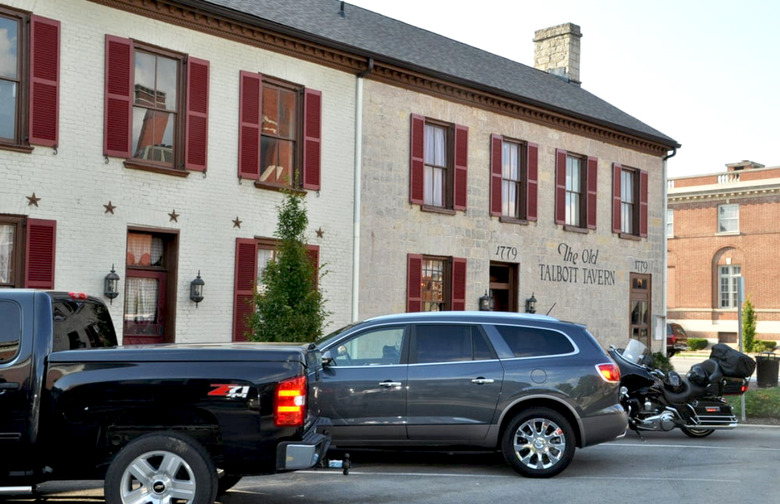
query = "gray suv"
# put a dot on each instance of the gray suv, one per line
(530, 386)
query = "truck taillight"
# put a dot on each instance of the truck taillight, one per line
(290, 407)
(610, 373)
(77, 295)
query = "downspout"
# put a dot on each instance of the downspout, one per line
(356, 190)
(666, 245)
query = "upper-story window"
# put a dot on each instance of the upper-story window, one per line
(513, 179)
(279, 133)
(669, 223)
(438, 165)
(575, 190)
(29, 80)
(629, 201)
(156, 107)
(728, 218)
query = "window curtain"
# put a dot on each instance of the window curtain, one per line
(144, 250)
(6, 252)
(141, 300)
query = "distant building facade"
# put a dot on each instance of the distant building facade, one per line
(720, 227)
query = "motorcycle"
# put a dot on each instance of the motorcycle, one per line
(658, 401)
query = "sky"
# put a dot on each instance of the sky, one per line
(705, 73)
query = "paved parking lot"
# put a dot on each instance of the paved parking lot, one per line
(740, 465)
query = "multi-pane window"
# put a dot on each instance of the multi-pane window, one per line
(728, 218)
(628, 201)
(436, 172)
(279, 135)
(511, 180)
(433, 285)
(10, 77)
(156, 107)
(574, 191)
(729, 284)
(266, 252)
(669, 222)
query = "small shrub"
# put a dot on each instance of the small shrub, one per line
(749, 341)
(662, 362)
(764, 346)
(697, 343)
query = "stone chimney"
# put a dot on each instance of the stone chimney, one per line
(557, 51)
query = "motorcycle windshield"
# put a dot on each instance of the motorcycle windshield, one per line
(635, 351)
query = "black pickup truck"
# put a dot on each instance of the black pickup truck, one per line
(161, 423)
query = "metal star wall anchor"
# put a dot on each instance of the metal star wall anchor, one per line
(32, 200)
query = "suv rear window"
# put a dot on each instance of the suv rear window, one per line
(534, 342)
(81, 323)
(10, 331)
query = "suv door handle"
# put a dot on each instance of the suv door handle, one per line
(390, 384)
(482, 381)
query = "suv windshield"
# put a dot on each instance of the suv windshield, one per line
(81, 323)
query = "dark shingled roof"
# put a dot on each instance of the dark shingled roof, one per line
(370, 34)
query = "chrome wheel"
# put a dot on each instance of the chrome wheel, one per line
(161, 468)
(695, 432)
(158, 477)
(538, 443)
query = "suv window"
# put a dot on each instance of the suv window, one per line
(10, 330)
(534, 342)
(371, 348)
(450, 343)
(81, 324)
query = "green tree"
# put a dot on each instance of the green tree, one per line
(289, 307)
(748, 326)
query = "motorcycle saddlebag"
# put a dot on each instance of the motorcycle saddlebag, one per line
(732, 362)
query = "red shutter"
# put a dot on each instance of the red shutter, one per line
(532, 181)
(592, 186)
(312, 139)
(496, 160)
(244, 287)
(117, 113)
(196, 149)
(560, 186)
(39, 254)
(458, 284)
(250, 105)
(313, 251)
(417, 160)
(643, 203)
(44, 81)
(413, 283)
(616, 171)
(460, 187)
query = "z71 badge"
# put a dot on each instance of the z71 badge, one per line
(229, 390)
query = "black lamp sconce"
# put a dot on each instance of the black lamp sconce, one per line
(111, 285)
(196, 290)
(530, 304)
(486, 302)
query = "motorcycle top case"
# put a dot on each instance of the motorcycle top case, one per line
(732, 362)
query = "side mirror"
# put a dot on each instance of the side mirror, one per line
(327, 358)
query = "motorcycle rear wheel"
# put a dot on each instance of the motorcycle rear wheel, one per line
(696, 433)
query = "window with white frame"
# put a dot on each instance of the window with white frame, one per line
(728, 218)
(574, 191)
(435, 174)
(729, 280)
(628, 200)
(669, 223)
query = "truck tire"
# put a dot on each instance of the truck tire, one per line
(160, 467)
(538, 443)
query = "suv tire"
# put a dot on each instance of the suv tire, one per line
(538, 443)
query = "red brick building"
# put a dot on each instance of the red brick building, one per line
(722, 226)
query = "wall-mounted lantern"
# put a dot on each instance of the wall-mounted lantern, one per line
(196, 289)
(530, 304)
(111, 285)
(486, 302)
